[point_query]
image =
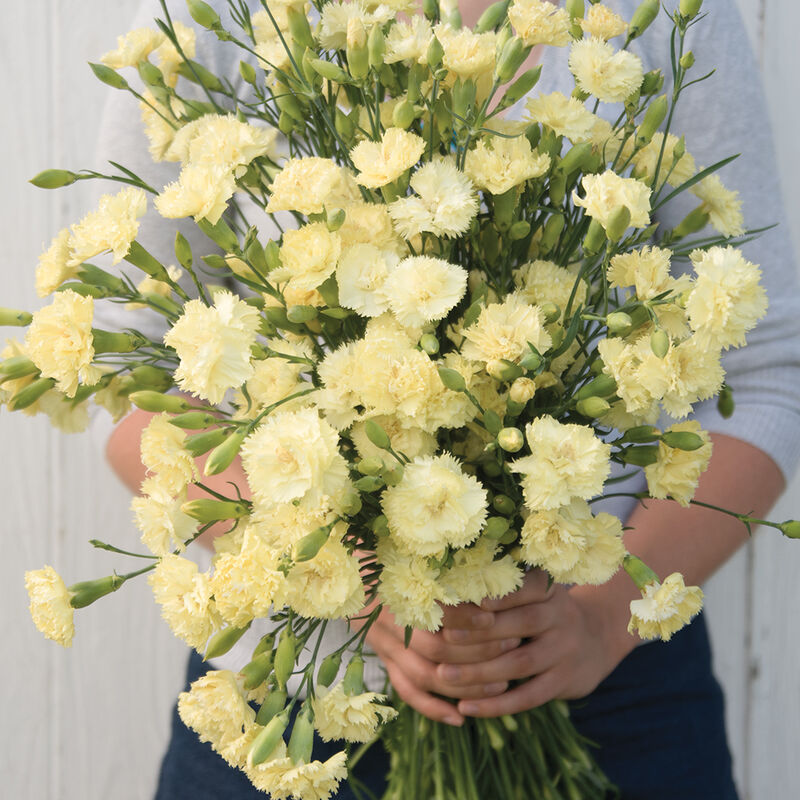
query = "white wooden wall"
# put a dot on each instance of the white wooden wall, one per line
(91, 722)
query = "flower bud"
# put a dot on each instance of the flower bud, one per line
(522, 86)
(150, 74)
(593, 407)
(595, 238)
(693, 222)
(653, 117)
(284, 656)
(393, 476)
(256, 671)
(504, 504)
(148, 400)
(376, 46)
(452, 379)
(493, 16)
(380, 525)
(378, 435)
(53, 178)
(687, 60)
(273, 704)
(370, 466)
(653, 82)
(725, 404)
(140, 258)
(222, 641)
(268, 739)
(641, 456)
(28, 395)
(492, 469)
(682, 440)
(351, 504)
(689, 9)
(301, 742)
(495, 527)
(15, 318)
(110, 342)
(353, 681)
(152, 377)
(403, 115)
(369, 483)
(435, 53)
(618, 221)
(193, 420)
(301, 314)
(522, 390)
(512, 56)
(223, 454)
(86, 592)
(208, 510)
(299, 27)
(110, 77)
(492, 421)
(790, 528)
(519, 230)
(265, 644)
(248, 72)
(531, 361)
(429, 343)
(575, 8)
(558, 187)
(357, 53)
(511, 440)
(641, 434)
(601, 386)
(575, 158)
(329, 669)
(310, 544)
(17, 367)
(659, 342)
(503, 370)
(619, 322)
(203, 14)
(643, 17)
(642, 574)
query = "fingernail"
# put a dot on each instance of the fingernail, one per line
(483, 620)
(450, 673)
(468, 708)
(457, 635)
(456, 722)
(509, 644)
(494, 688)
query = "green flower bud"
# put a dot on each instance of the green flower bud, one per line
(222, 455)
(108, 76)
(641, 456)
(300, 314)
(310, 544)
(220, 233)
(15, 318)
(503, 370)
(595, 238)
(693, 222)
(370, 466)
(299, 27)
(109, 342)
(357, 53)
(156, 402)
(197, 73)
(641, 434)
(682, 440)
(284, 656)
(256, 671)
(369, 483)
(653, 117)
(511, 58)
(495, 527)
(377, 435)
(380, 525)
(28, 395)
(531, 361)
(435, 54)
(687, 60)
(95, 276)
(222, 642)
(643, 17)
(53, 178)
(619, 322)
(551, 233)
(492, 422)
(430, 8)
(329, 669)
(393, 476)
(193, 420)
(353, 681)
(330, 71)
(551, 312)
(558, 187)
(84, 290)
(492, 17)
(273, 704)
(17, 367)
(618, 222)
(150, 74)
(504, 504)
(653, 82)
(203, 14)
(248, 72)
(601, 386)
(140, 258)
(201, 443)
(575, 158)
(267, 740)
(511, 440)
(593, 407)
(689, 9)
(86, 592)
(153, 377)
(429, 343)
(790, 528)
(492, 469)
(301, 742)
(351, 504)
(725, 404)
(642, 574)
(403, 114)
(208, 510)
(376, 46)
(519, 230)
(575, 8)
(452, 379)
(522, 86)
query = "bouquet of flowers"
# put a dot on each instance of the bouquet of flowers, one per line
(462, 322)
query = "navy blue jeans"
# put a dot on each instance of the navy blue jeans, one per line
(657, 720)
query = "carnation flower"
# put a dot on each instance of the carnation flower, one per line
(467, 54)
(566, 461)
(434, 506)
(610, 75)
(314, 781)
(335, 16)
(65, 414)
(244, 584)
(541, 282)
(723, 206)
(282, 525)
(645, 160)
(566, 116)
(202, 191)
(504, 330)
(310, 184)
(410, 441)
(727, 299)
(607, 192)
(157, 127)
(294, 455)
(382, 162)
(476, 574)
(308, 256)
(184, 594)
(133, 47)
(677, 472)
(498, 163)
(163, 453)
(213, 344)
(361, 276)
(370, 223)
(601, 22)
(444, 205)
(540, 22)
(59, 341)
(664, 608)
(423, 289)
(354, 718)
(50, 605)
(53, 268)
(158, 516)
(408, 41)
(112, 226)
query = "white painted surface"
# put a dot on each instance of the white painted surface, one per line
(91, 722)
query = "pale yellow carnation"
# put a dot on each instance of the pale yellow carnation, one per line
(607, 192)
(410, 441)
(601, 22)
(541, 282)
(645, 160)
(467, 55)
(160, 126)
(566, 461)
(610, 75)
(540, 22)
(53, 268)
(728, 298)
(476, 574)
(503, 331)
(382, 162)
(59, 341)
(677, 472)
(157, 514)
(317, 780)
(184, 594)
(133, 47)
(163, 453)
(310, 184)
(370, 223)
(202, 191)
(723, 206)
(65, 414)
(445, 202)
(498, 163)
(213, 344)
(361, 276)
(408, 41)
(423, 289)
(294, 455)
(566, 116)
(50, 605)
(354, 718)
(665, 608)
(309, 256)
(335, 16)
(112, 226)
(282, 525)
(435, 505)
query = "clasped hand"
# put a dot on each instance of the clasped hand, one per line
(504, 656)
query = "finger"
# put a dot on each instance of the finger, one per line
(532, 619)
(533, 590)
(436, 648)
(532, 693)
(468, 616)
(424, 702)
